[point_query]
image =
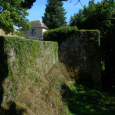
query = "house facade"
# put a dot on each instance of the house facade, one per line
(36, 31)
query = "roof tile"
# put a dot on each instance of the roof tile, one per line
(38, 23)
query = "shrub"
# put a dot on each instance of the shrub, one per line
(59, 34)
(19, 34)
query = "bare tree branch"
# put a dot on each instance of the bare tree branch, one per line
(77, 2)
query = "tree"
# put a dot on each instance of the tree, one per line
(13, 12)
(102, 18)
(77, 19)
(92, 2)
(27, 4)
(54, 14)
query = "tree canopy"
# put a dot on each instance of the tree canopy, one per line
(13, 12)
(54, 14)
(27, 3)
(102, 18)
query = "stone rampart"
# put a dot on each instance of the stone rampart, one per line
(23, 62)
(83, 52)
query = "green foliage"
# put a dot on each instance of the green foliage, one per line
(97, 16)
(59, 34)
(54, 14)
(27, 3)
(13, 14)
(81, 100)
(77, 19)
(20, 34)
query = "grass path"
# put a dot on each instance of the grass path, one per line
(84, 101)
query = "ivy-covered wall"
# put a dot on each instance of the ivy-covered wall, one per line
(82, 49)
(22, 63)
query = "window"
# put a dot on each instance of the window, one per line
(33, 31)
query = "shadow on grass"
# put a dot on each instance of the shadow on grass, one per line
(12, 110)
(107, 87)
(84, 101)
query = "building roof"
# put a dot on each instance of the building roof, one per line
(38, 23)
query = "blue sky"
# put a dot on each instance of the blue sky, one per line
(38, 9)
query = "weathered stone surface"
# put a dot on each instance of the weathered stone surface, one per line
(25, 63)
(74, 49)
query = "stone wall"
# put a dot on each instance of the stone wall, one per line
(2, 32)
(85, 55)
(23, 63)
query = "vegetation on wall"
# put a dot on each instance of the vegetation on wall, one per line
(58, 34)
(20, 73)
(56, 93)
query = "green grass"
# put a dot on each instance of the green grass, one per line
(81, 100)
(103, 66)
(84, 101)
